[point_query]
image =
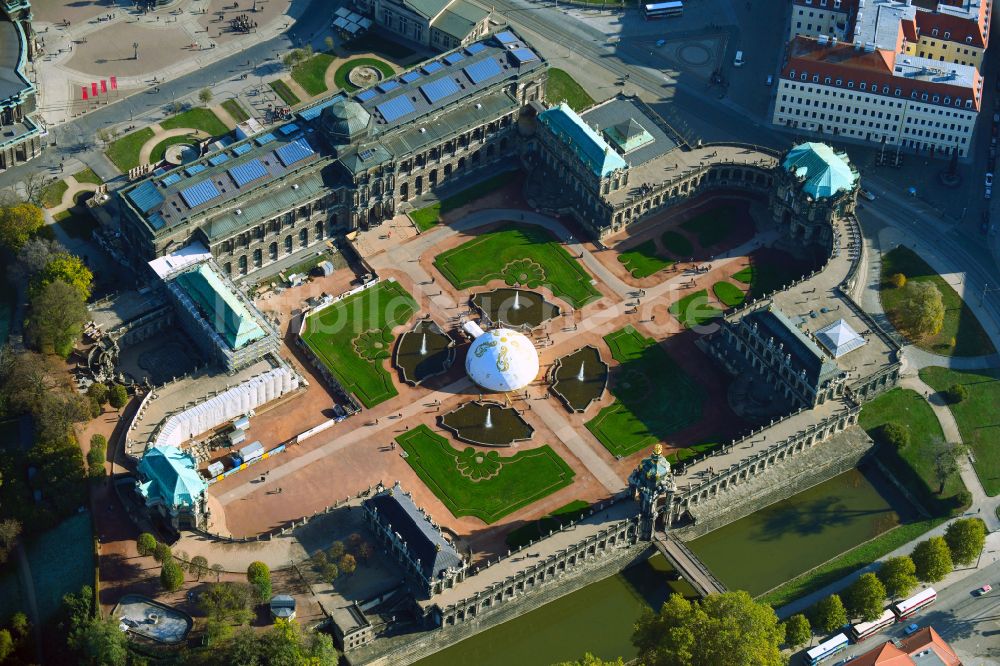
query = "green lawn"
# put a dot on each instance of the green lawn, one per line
(311, 73)
(978, 417)
(284, 92)
(160, 149)
(643, 260)
(522, 254)
(124, 152)
(379, 44)
(536, 529)
(75, 222)
(198, 118)
(353, 337)
(340, 77)
(712, 227)
(429, 216)
(849, 562)
(728, 294)
(561, 87)
(52, 194)
(88, 176)
(959, 321)
(770, 270)
(236, 110)
(677, 244)
(694, 309)
(914, 465)
(483, 484)
(654, 396)
(680, 455)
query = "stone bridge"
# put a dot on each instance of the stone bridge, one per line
(687, 564)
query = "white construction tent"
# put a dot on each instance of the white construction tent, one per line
(226, 406)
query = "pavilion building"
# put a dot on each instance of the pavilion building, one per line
(22, 131)
(171, 486)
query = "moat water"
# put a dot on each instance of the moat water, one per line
(596, 619)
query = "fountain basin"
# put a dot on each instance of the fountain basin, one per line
(487, 423)
(514, 308)
(580, 378)
(424, 352)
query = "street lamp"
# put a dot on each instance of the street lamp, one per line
(135, 48)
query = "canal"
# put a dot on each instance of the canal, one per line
(783, 540)
(596, 619)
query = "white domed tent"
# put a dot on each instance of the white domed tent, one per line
(502, 360)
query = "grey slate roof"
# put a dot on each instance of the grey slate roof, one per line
(12, 83)
(396, 510)
(805, 352)
(619, 110)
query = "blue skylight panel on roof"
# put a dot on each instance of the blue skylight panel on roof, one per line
(242, 148)
(218, 159)
(192, 170)
(431, 67)
(313, 112)
(435, 91)
(522, 56)
(482, 70)
(473, 49)
(452, 58)
(146, 196)
(293, 152)
(366, 95)
(386, 86)
(156, 221)
(264, 139)
(395, 108)
(171, 179)
(506, 37)
(199, 194)
(247, 173)
(290, 128)
(410, 77)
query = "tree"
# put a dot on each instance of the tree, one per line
(217, 570)
(945, 464)
(282, 644)
(897, 280)
(19, 625)
(97, 455)
(227, 603)
(171, 575)
(921, 310)
(329, 43)
(6, 645)
(145, 544)
(365, 551)
(354, 540)
(330, 571)
(57, 316)
(797, 631)
(895, 435)
(932, 559)
(348, 564)
(118, 396)
(10, 529)
(322, 651)
(335, 550)
(728, 628)
(99, 392)
(68, 268)
(259, 576)
(244, 649)
(199, 566)
(77, 610)
(18, 223)
(205, 96)
(591, 660)
(829, 614)
(965, 538)
(865, 597)
(32, 259)
(956, 393)
(162, 553)
(898, 576)
(100, 642)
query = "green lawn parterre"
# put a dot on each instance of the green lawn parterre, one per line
(914, 465)
(536, 529)
(654, 396)
(644, 260)
(728, 294)
(677, 244)
(160, 149)
(311, 73)
(523, 478)
(87, 176)
(959, 321)
(332, 335)
(236, 110)
(429, 216)
(340, 76)
(694, 309)
(198, 118)
(712, 227)
(124, 152)
(978, 417)
(52, 194)
(518, 253)
(770, 270)
(560, 87)
(284, 92)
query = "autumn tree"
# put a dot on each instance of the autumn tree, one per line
(921, 310)
(965, 538)
(347, 564)
(67, 268)
(18, 223)
(898, 576)
(57, 316)
(204, 95)
(932, 559)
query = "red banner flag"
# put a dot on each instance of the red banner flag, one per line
(93, 88)
(84, 89)
(104, 87)
(114, 83)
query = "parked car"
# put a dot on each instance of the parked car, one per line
(661, 42)
(985, 589)
(989, 179)
(770, 79)
(867, 195)
(996, 117)
(911, 629)
(989, 193)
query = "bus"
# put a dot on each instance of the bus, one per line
(662, 10)
(863, 630)
(909, 607)
(826, 649)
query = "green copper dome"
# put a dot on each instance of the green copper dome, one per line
(824, 171)
(345, 120)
